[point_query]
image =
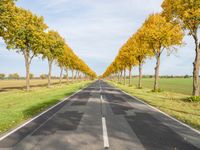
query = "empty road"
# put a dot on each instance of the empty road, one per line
(102, 117)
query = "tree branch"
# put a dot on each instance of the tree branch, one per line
(31, 58)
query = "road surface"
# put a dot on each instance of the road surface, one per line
(102, 117)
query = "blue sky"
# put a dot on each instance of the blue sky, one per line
(95, 30)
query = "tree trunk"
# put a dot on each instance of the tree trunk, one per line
(75, 77)
(130, 69)
(121, 76)
(118, 76)
(27, 65)
(79, 75)
(125, 76)
(196, 66)
(140, 75)
(61, 73)
(72, 74)
(49, 75)
(156, 76)
(66, 74)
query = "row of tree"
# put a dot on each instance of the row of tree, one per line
(27, 33)
(160, 32)
(10, 76)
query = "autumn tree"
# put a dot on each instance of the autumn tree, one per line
(7, 17)
(25, 36)
(53, 49)
(129, 59)
(187, 12)
(141, 51)
(161, 35)
(62, 62)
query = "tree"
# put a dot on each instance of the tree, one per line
(141, 51)
(7, 8)
(25, 36)
(188, 14)
(43, 76)
(2, 76)
(161, 35)
(31, 76)
(13, 76)
(128, 58)
(54, 47)
(62, 62)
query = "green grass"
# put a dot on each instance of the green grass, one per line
(177, 85)
(16, 106)
(170, 102)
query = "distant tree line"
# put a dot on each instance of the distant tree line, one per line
(17, 76)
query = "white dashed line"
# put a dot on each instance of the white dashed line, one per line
(105, 134)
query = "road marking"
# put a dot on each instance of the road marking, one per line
(14, 130)
(99, 86)
(105, 133)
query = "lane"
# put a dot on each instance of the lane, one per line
(134, 125)
(99, 117)
(74, 124)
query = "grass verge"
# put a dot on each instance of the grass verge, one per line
(168, 102)
(16, 106)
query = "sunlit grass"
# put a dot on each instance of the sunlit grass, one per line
(17, 106)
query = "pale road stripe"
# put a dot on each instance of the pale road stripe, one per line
(100, 86)
(161, 112)
(14, 130)
(105, 134)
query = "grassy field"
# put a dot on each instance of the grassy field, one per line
(177, 85)
(16, 106)
(170, 102)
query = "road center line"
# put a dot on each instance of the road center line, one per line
(99, 86)
(105, 134)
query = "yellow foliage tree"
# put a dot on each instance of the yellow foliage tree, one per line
(187, 12)
(141, 51)
(161, 35)
(24, 34)
(53, 49)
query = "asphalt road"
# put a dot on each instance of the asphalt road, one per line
(102, 116)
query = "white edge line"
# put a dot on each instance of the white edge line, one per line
(161, 112)
(14, 130)
(105, 134)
